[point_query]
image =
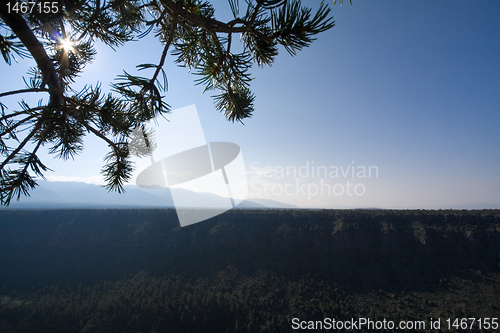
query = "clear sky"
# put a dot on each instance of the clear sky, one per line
(408, 88)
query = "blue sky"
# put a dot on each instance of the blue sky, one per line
(408, 87)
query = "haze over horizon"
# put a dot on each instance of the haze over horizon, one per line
(397, 106)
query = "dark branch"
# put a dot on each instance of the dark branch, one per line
(165, 49)
(100, 135)
(210, 24)
(8, 130)
(19, 26)
(14, 114)
(22, 91)
(22, 144)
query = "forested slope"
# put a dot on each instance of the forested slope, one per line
(256, 270)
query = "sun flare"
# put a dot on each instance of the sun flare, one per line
(67, 45)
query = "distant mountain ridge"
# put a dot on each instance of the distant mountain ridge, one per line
(53, 195)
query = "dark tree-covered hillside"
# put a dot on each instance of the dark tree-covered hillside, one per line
(244, 271)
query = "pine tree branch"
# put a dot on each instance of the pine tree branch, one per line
(22, 91)
(94, 109)
(196, 34)
(100, 135)
(22, 144)
(237, 21)
(18, 183)
(210, 24)
(171, 34)
(33, 152)
(21, 29)
(159, 19)
(115, 179)
(14, 114)
(229, 41)
(256, 12)
(17, 124)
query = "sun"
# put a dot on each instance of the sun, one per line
(67, 45)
